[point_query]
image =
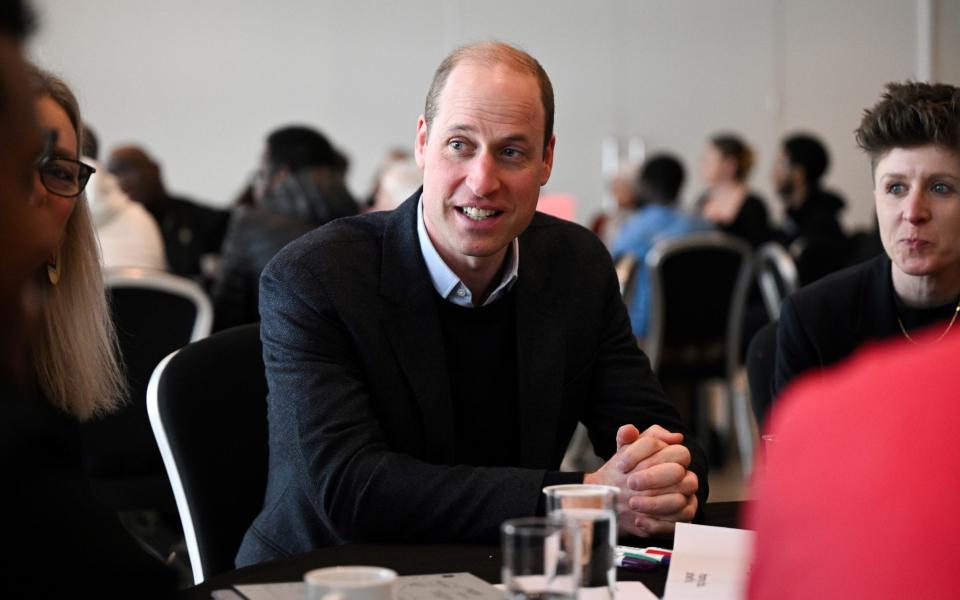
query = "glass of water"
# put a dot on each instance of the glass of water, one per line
(541, 558)
(594, 509)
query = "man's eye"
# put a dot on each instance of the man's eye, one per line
(941, 188)
(896, 188)
(457, 145)
(511, 153)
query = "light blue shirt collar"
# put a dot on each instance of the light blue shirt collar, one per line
(446, 282)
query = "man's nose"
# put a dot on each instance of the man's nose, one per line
(483, 177)
(916, 207)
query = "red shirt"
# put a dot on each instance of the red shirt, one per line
(859, 496)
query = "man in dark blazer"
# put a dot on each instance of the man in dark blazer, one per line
(427, 367)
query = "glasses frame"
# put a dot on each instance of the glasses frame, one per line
(83, 177)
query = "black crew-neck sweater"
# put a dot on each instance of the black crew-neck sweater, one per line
(481, 350)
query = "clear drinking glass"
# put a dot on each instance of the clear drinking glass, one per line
(541, 558)
(594, 509)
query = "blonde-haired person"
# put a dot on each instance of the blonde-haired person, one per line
(76, 374)
(74, 355)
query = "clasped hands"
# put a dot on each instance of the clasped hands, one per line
(657, 489)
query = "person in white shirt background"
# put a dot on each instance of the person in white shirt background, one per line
(129, 236)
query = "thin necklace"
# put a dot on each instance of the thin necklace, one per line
(956, 311)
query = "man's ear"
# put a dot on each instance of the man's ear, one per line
(548, 159)
(421, 142)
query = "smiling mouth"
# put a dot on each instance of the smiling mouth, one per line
(478, 214)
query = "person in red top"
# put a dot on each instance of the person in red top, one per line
(857, 494)
(883, 523)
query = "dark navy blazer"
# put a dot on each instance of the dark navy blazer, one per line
(360, 409)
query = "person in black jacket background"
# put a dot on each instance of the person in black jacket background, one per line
(811, 229)
(298, 187)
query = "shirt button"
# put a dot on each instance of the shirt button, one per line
(461, 292)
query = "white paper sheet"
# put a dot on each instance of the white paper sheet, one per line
(709, 563)
(626, 590)
(273, 591)
(445, 586)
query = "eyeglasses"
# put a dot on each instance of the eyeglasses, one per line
(64, 176)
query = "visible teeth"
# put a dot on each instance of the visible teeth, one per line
(477, 214)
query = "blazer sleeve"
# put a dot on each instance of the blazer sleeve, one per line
(323, 417)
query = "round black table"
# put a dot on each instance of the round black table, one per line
(424, 559)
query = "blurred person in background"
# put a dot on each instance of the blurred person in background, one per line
(728, 202)
(393, 155)
(811, 228)
(190, 231)
(608, 223)
(299, 186)
(398, 181)
(657, 216)
(912, 136)
(128, 235)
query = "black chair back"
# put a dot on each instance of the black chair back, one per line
(777, 277)
(154, 314)
(208, 410)
(698, 287)
(699, 284)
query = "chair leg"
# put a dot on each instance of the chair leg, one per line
(710, 433)
(745, 429)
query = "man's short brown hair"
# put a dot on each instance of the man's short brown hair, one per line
(492, 53)
(911, 114)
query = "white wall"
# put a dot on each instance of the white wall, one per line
(947, 31)
(200, 82)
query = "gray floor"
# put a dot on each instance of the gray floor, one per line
(726, 484)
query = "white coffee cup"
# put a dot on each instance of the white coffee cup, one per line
(351, 583)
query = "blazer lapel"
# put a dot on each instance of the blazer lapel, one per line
(412, 325)
(540, 362)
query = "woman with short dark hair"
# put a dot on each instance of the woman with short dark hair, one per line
(912, 137)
